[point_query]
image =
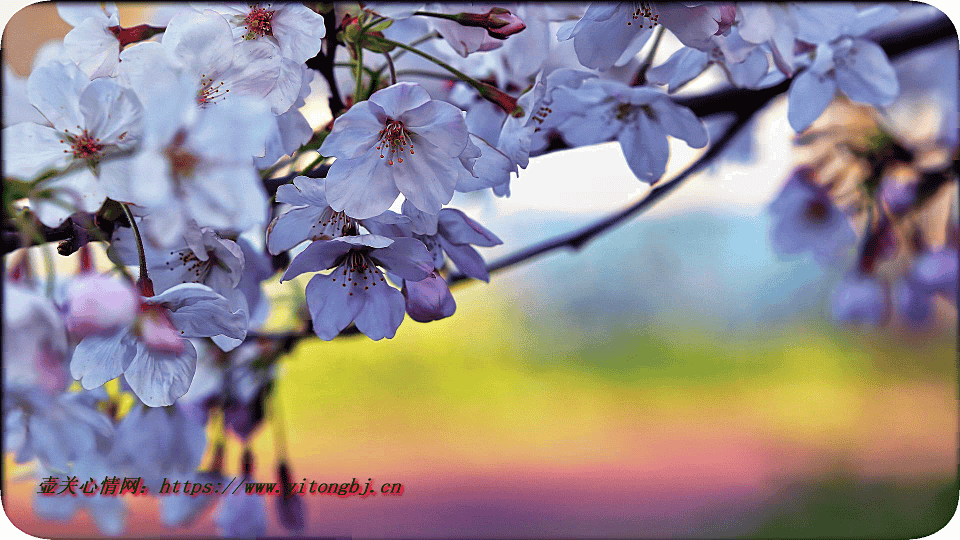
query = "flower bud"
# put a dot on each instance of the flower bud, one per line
(99, 304)
(505, 101)
(728, 15)
(498, 22)
(429, 299)
(134, 34)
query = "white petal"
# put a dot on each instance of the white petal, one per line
(809, 96)
(332, 308)
(319, 255)
(112, 114)
(98, 359)
(360, 186)
(29, 149)
(160, 378)
(406, 257)
(399, 98)
(866, 75)
(645, 148)
(382, 312)
(55, 89)
(680, 122)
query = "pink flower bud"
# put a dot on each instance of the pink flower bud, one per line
(728, 15)
(98, 304)
(135, 34)
(498, 22)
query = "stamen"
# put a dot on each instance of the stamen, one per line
(645, 13)
(210, 93)
(84, 146)
(394, 139)
(259, 22)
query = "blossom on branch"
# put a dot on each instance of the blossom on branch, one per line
(399, 141)
(356, 290)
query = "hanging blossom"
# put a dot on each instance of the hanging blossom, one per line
(449, 234)
(156, 443)
(153, 354)
(90, 43)
(640, 118)
(857, 67)
(309, 218)
(398, 141)
(356, 290)
(805, 219)
(744, 63)
(35, 349)
(860, 299)
(201, 257)
(233, 383)
(92, 125)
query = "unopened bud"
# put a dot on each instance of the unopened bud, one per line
(503, 100)
(498, 22)
(135, 34)
(728, 15)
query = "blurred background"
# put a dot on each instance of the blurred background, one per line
(675, 378)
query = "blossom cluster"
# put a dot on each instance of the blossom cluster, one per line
(183, 147)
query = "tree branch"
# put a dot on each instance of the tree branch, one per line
(323, 62)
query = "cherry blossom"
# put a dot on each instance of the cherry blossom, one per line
(805, 219)
(399, 141)
(639, 118)
(91, 125)
(337, 299)
(153, 355)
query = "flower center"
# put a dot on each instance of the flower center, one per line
(182, 162)
(199, 269)
(259, 23)
(817, 212)
(335, 224)
(646, 13)
(394, 140)
(84, 146)
(209, 92)
(357, 270)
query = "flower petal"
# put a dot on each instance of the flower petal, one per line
(332, 308)
(399, 98)
(809, 96)
(319, 255)
(406, 257)
(382, 313)
(160, 378)
(98, 359)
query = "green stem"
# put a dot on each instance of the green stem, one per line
(141, 254)
(359, 75)
(312, 164)
(459, 74)
(422, 73)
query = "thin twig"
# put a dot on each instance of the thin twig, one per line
(393, 70)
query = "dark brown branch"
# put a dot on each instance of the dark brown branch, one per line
(323, 62)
